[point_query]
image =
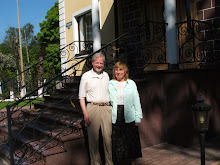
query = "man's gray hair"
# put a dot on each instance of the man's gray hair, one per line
(98, 55)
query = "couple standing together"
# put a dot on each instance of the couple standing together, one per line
(114, 107)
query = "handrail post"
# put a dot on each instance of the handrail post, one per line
(11, 150)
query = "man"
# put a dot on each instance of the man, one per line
(97, 113)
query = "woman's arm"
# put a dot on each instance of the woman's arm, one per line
(137, 105)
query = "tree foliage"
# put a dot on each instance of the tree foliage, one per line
(7, 65)
(5, 48)
(7, 61)
(49, 39)
(7, 68)
(50, 27)
(11, 40)
(27, 33)
(54, 62)
(11, 44)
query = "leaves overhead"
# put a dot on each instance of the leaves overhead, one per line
(50, 27)
(49, 38)
(27, 33)
(11, 37)
(47, 44)
(7, 61)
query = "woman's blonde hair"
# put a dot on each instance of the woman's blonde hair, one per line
(123, 66)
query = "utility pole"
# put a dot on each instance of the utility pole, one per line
(23, 90)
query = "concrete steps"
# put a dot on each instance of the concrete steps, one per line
(51, 130)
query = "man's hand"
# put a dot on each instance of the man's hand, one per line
(87, 119)
(86, 115)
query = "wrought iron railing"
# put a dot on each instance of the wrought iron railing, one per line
(38, 73)
(198, 43)
(135, 47)
(142, 48)
(36, 90)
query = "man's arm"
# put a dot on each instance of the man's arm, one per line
(83, 107)
(82, 95)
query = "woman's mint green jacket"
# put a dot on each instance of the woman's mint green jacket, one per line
(132, 106)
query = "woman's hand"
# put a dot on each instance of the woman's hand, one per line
(137, 124)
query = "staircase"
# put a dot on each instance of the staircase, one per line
(50, 130)
(58, 121)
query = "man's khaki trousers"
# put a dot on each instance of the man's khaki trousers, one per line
(100, 117)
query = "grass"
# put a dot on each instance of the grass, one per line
(21, 104)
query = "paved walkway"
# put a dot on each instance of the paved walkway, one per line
(166, 154)
(3, 162)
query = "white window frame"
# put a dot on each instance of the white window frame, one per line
(75, 27)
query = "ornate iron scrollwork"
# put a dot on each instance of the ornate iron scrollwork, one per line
(197, 43)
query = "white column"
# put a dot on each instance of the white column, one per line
(12, 96)
(41, 90)
(96, 34)
(171, 34)
(40, 93)
(23, 92)
(0, 87)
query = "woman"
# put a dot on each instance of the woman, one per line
(126, 116)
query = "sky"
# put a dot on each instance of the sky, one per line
(30, 11)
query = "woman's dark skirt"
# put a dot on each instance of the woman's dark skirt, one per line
(125, 139)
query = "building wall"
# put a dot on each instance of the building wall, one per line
(71, 8)
(133, 13)
(208, 10)
(167, 98)
(62, 29)
(107, 23)
(129, 15)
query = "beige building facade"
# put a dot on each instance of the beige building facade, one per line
(76, 39)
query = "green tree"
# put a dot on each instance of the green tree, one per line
(50, 27)
(27, 33)
(49, 39)
(11, 35)
(5, 49)
(11, 42)
(7, 69)
(54, 62)
(7, 64)
(9, 50)
(33, 50)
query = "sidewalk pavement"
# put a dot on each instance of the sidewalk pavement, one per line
(167, 154)
(3, 162)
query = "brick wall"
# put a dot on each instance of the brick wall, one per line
(131, 17)
(131, 14)
(209, 10)
(166, 101)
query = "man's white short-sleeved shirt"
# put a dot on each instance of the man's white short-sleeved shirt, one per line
(94, 87)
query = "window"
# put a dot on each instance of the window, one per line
(84, 33)
(85, 27)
